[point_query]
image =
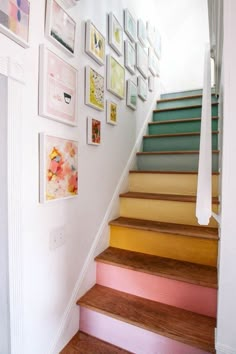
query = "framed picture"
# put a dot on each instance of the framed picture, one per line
(60, 27)
(93, 131)
(94, 89)
(142, 88)
(112, 112)
(69, 3)
(151, 83)
(153, 63)
(14, 20)
(57, 88)
(142, 33)
(58, 168)
(142, 61)
(150, 33)
(115, 34)
(157, 44)
(115, 77)
(130, 56)
(95, 43)
(131, 97)
(130, 26)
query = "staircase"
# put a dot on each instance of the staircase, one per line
(156, 288)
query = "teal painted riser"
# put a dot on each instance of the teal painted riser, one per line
(185, 102)
(183, 93)
(179, 127)
(176, 143)
(182, 113)
(173, 162)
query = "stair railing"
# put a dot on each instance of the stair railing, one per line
(204, 185)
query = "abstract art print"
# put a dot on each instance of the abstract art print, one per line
(93, 131)
(130, 25)
(142, 60)
(115, 34)
(142, 88)
(14, 20)
(131, 98)
(60, 27)
(94, 90)
(112, 112)
(115, 77)
(95, 43)
(130, 56)
(58, 168)
(58, 88)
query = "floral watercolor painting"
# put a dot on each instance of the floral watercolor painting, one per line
(112, 109)
(115, 77)
(95, 43)
(94, 131)
(94, 96)
(58, 168)
(115, 34)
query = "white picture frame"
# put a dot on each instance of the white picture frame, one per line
(142, 60)
(115, 77)
(151, 83)
(153, 63)
(142, 33)
(132, 95)
(112, 112)
(94, 89)
(130, 56)
(150, 33)
(130, 25)
(93, 131)
(157, 44)
(115, 34)
(142, 88)
(95, 43)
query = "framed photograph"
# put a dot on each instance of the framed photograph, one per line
(115, 77)
(93, 131)
(142, 88)
(115, 34)
(95, 43)
(142, 60)
(60, 27)
(130, 56)
(14, 20)
(112, 112)
(153, 63)
(142, 33)
(94, 89)
(58, 168)
(57, 88)
(130, 26)
(151, 83)
(150, 33)
(132, 93)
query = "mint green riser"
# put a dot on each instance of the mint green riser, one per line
(176, 143)
(182, 113)
(173, 162)
(185, 102)
(183, 93)
(179, 127)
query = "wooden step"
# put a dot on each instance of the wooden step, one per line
(193, 111)
(180, 121)
(182, 107)
(180, 325)
(181, 98)
(175, 134)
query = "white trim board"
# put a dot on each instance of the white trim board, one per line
(224, 349)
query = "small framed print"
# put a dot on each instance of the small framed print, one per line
(57, 88)
(130, 25)
(130, 56)
(142, 88)
(157, 44)
(115, 77)
(94, 89)
(112, 112)
(60, 27)
(93, 131)
(95, 43)
(115, 34)
(150, 33)
(151, 83)
(153, 63)
(142, 60)
(142, 33)
(131, 97)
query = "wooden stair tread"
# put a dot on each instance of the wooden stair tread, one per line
(164, 267)
(180, 98)
(169, 172)
(185, 152)
(175, 135)
(175, 323)
(83, 343)
(178, 121)
(182, 107)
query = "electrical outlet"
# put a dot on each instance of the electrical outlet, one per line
(57, 237)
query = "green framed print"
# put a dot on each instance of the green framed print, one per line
(130, 25)
(142, 33)
(132, 93)
(130, 56)
(142, 88)
(142, 60)
(115, 34)
(115, 77)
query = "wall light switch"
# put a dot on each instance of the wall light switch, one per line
(57, 237)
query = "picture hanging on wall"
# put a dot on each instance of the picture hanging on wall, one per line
(131, 97)
(112, 112)
(157, 44)
(115, 77)
(93, 131)
(115, 34)
(57, 88)
(130, 26)
(151, 83)
(60, 27)
(142, 33)
(130, 56)
(142, 60)
(14, 20)
(94, 89)
(150, 33)
(142, 88)
(58, 168)
(153, 63)
(95, 43)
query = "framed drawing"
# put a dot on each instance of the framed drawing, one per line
(57, 88)
(112, 112)
(142, 60)
(60, 27)
(153, 64)
(95, 43)
(131, 97)
(115, 77)
(130, 26)
(115, 34)
(93, 131)
(58, 168)
(151, 83)
(150, 33)
(14, 20)
(142, 33)
(94, 89)
(142, 88)
(130, 56)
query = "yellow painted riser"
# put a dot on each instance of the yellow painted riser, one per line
(190, 249)
(161, 210)
(165, 183)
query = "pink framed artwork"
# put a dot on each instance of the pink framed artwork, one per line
(58, 88)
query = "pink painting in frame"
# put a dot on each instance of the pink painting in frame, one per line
(58, 88)
(58, 168)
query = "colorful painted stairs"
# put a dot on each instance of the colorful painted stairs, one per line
(156, 288)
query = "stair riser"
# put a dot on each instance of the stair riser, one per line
(184, 102)
(130, 337)
(183, 248)
(182, 113)
(183, 184)
(179, 127)
(187, 296)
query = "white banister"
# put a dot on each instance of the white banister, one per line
(204, 187)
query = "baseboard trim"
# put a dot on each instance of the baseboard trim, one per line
(224, 349)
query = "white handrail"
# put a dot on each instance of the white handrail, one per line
(204, 187)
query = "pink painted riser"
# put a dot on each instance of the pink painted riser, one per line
(187, 296)
(129, 337)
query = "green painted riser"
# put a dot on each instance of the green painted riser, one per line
(176, 143)
(172, 162)
(182, 113)
(179, 127)
(183, 93)
(183, 102)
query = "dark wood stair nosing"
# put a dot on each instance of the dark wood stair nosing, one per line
(176, 135)
(181, 98)
(181, 107)
(186, 120)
